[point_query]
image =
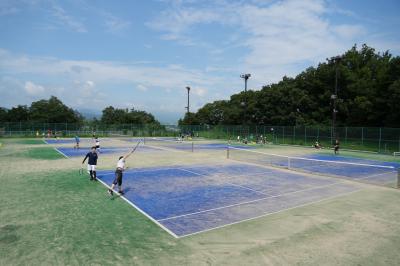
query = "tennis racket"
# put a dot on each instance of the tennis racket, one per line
(81, 171)
(137, 145)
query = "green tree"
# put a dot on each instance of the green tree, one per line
(19, 113)
(53, 111)
(111, 115)
(3, 114)
(368, 95)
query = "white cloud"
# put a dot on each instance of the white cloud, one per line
(142, 87)
(115, 24)
(65, 19)
(90, 83)
(349, 31)
(97, 84)
(279, 36)
(199, 91)
(33, 89)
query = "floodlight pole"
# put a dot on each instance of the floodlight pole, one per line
(245, 77)
(334, 97)
(187, 107)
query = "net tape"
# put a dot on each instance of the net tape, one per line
(170, 143)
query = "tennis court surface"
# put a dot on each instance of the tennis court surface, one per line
(197, 198)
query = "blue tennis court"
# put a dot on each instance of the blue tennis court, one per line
(64, 141)
(188, 145)
(197, 198)
(367, 171)
(339, 158)
(71, 152)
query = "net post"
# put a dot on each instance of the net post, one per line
(398, 177)
(192, 146)
(227, 152)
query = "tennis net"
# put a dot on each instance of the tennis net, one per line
(170, 143)
(366, 173)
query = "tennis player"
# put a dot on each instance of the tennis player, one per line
(92, 162)
(118, 174)
(336, 147)
(317, 145)
(77, 140)
(97, 143)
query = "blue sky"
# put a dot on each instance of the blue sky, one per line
(142, 54)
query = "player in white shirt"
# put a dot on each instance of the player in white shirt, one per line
(118, 174)
(97, 144)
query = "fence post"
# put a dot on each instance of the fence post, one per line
(305, 135)
(345, 136)
(362, 136)
(266, 136)
(294, 134)
(380, 137)
(283, 135)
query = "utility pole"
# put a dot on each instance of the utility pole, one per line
(334, 97)
(187, 107)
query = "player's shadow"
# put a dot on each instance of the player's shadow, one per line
(119, 195)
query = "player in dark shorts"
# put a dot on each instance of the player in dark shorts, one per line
(92, 162)
(118, 174)
(336, 147)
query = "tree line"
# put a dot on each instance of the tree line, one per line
(54, 110)
(368, 95)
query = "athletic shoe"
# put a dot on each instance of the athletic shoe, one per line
(95, 179)
(110, 192)
(121, 192)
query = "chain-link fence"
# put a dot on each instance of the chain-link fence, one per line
(385, 140)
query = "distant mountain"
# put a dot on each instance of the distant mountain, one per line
(89, 113)
(166, 118)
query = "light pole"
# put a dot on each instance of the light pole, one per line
(187, 107)
(334, 97)
(245, 77)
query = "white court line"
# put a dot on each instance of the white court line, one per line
(144, 171)
(142, 212)
(267, 214)
(251, 201)
(163, 148)
(256, 191)
(61, 152)
(375, 175)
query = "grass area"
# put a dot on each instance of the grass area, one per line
(28, 141)
(41, 153)
(66, 219)
(55, 216)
